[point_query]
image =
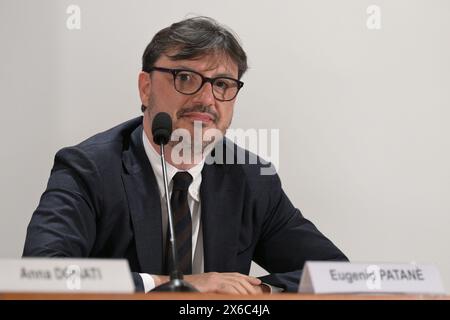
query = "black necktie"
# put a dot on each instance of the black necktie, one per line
(182, 223)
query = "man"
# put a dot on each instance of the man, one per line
(105, 196)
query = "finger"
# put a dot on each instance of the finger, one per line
(242, 283)
(235, 283)
(226, 288)
(246, 285)
(252, 280)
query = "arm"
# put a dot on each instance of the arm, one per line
(64, 223)
(288, 240)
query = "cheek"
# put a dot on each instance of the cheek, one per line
(164, 100)
(226, 114)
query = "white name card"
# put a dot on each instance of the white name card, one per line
(65, 275)
(346, 277)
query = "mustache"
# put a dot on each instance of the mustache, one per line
(198, 108)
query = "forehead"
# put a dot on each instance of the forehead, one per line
(209, 64)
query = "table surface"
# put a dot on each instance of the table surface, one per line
(212, 296)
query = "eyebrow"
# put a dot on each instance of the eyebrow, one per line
(226, 75)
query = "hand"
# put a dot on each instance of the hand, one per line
(234, 283)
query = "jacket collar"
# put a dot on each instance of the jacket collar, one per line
(144, 204)
(222, 192)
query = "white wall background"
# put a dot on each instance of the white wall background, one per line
(363, 114)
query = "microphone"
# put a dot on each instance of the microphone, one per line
(161, 130)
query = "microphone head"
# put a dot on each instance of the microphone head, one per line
(161, 128)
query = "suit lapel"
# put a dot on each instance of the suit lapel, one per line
(221, 208)
(221, 211)
(144, 204)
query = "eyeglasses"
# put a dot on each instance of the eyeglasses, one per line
(190, 82)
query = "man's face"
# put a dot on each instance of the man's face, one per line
(158, 93)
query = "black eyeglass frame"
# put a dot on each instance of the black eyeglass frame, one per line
(174, 73)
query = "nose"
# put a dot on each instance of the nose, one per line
(205, 95)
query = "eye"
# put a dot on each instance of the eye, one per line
(223, 84)
(184, 76)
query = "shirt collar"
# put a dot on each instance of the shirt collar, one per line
(155, 161)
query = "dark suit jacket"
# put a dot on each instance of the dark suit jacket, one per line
(102, 201)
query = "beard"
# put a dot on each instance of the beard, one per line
(195, 143)
(196, 139)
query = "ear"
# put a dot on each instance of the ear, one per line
(144, 83)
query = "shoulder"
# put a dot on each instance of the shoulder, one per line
(111, 138)
(102, 148)
(244, 165)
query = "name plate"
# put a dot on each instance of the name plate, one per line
(346, 277)
(65, 275)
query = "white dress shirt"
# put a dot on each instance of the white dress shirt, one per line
(193, 202)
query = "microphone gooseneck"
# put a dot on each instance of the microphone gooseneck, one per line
(162, 130)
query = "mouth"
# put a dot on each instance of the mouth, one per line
(204, 117)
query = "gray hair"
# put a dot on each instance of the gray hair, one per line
(193, 38)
